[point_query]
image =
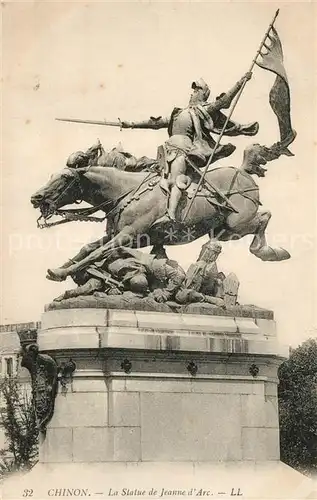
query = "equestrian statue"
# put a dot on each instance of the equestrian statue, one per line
(182, 194)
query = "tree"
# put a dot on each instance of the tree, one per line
(298, 408)
(18, 419)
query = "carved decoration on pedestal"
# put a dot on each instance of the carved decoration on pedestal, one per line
(43, 370)
(254, 370)
(126, 366)
(192, 368)
(65, 371)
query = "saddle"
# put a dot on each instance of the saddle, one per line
(190, 188)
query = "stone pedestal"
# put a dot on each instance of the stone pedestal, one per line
(165, 401)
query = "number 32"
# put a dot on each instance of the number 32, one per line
(27, 493)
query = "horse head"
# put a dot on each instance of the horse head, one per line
(63, 188)
(256, 155)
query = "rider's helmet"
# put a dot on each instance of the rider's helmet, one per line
(201, 84)
(78, 159)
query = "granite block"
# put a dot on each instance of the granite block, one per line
(124, 409)
(195, 427)
(260, 444)
(57, 446)
(80, 410)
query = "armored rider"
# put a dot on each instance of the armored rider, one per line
(189, 131)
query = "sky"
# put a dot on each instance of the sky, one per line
(134, 60)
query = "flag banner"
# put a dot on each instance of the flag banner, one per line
(271, 58)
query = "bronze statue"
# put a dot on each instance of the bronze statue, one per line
(189, 131)
(133, 202)
(202, 199)
(190, 140)
(80, 159)
(132, 274)
(96, 155)
(202, 283)
(129, 270)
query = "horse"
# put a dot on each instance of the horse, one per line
(133, 202)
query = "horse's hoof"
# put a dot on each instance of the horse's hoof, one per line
(269, 254)
(276, 254)
(282, 254)
(56, 275)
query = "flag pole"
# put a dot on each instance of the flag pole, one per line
(229, 115)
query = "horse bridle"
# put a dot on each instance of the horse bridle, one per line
(80, 214)
(75, 180)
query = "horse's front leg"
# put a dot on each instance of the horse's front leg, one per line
(259, 246)
(125, 237)
(235, 230)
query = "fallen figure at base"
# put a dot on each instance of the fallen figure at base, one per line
(132, 275)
